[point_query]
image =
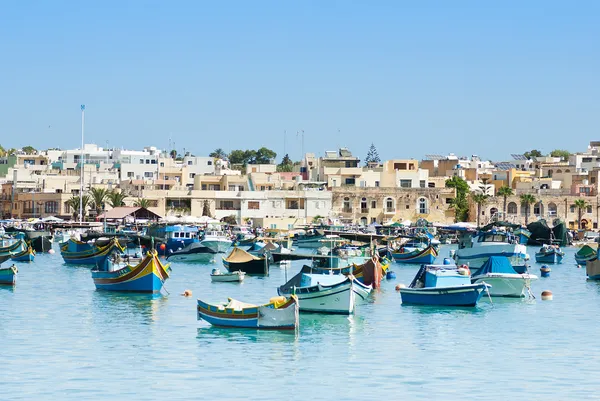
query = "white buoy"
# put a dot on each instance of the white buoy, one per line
(546, 295)
(399, 286)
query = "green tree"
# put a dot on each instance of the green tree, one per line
(237, 157)
(142, 202)
(116, 199)
(480, 200)
(563, 154)
(580, 204)
(372, 155)
(526, 201)
(11, 151)
(264, 156)
(98, 196)
(286, 164)
(504, 192)
(173, 154)
(218, 154)
(73, 203)
(460, 203)
(2, 151)
(533, 153)
(29, 150)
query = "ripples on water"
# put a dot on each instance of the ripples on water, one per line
(63, 340)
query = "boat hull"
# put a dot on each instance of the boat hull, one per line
(8, 275)
(217, 245)
(227, 278)
(338, 298)
(192, 258)
(418, 256)
(258, 317)
(592, 269)
(25, 256)
(148, 276)
(255, 267)
(550, 258)
(464, 295)
(506, 285)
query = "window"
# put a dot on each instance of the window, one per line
(373, 204)
(350, 181)
(422, 183)
(593, 180)
(192, 175)
(66, 208)
(422, 206)
(162, 164)
(130, 174)
(552, 209)
(431, 185)
(147, 161)
(588, 209)
(376, 183)
(346, 205)
(405, 183)
(153, 161)
(572, 208)
(141, 161)
(449, 201)
(51, 207)
(389, 205)
(148, 174)
(363, 205)
(511, 208)
(253, 205)
(203, 187)
(209, 162)
(189, 162)
(166, 177)
(538, 209)
(231, 188)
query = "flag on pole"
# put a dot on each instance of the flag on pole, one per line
(82, 107)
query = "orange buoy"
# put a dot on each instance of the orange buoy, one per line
(399, 286)
(187, 293)
(546, 295)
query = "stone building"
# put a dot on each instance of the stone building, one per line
(547, 207)
(368, 205)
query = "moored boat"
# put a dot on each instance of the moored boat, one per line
(324, 293)
(26, 255)
(549, 254)
(592, 269)
(194, 252)
(280, 313)
(241, 260)
(147, 276)
(475, 250)
(217, 276)
(584, 254)
(217, 241)
(443, 285)
(76, 252)
(8, 275)
(504, 280)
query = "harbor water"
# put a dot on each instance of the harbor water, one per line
(61, 339)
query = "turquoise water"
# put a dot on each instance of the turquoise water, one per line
(63, 340)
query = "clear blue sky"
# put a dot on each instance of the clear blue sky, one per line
(415, 78)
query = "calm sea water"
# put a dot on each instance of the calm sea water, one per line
(63, 340)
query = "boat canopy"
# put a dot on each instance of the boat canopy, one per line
(497, 264)
(586, 251)
(238, 255)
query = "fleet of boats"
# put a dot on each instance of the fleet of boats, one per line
(342, 268)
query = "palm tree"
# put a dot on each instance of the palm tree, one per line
(142, 202)
(116, 199)
(73, 202)
(504, 192)
(218, 154)
(527, 200)
(98, 198)
(480, 200)
(580, 204)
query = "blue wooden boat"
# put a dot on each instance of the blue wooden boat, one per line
(280, 313)
(522, 235)
(8, 275)
(147, 276)
(444, 285)
(75, 252)
(425, 255)
(12, 247)
(26, 255)
(549, 254)
(584, 254)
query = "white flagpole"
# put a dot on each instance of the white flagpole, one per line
(81, 167)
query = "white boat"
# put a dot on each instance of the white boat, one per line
(325, 293)
(504, 280)
(219, 277)
(217, 241)
(475, 250)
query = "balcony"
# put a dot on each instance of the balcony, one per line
(364, 211)
(228, 208)
(389, 210)
(346, 210)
